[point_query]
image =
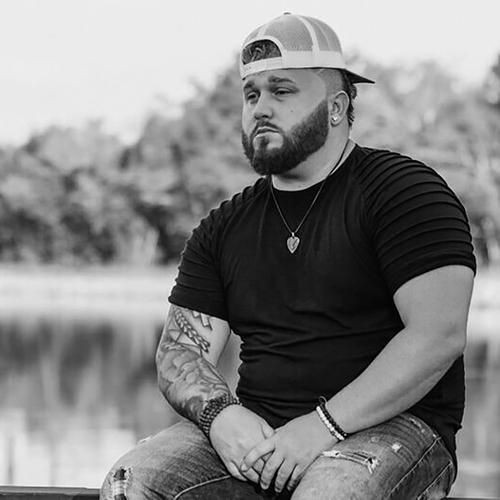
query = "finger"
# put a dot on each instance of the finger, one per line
(263, 448)
(260, 463)
(294, 479)
(233, 470)
(269, 471)
(251, 475)
(283, 474)
(267, 430)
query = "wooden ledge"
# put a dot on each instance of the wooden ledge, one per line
(32, 492)
(59, 493)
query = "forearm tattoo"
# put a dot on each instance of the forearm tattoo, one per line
(182, 326)
(186, 378)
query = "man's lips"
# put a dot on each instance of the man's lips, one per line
(263, 130)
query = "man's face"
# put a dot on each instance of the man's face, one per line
(284, 119)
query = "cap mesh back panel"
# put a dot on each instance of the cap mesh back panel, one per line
(321, 34)
(332, 40)
(291, 33)
(252, 34)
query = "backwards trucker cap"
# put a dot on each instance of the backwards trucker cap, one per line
(293, 42)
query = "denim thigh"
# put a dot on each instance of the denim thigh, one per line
(401, 459)
(178, 463)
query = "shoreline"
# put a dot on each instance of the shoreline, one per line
(85, 292)
(124, 291)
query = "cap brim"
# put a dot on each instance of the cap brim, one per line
(355, 78)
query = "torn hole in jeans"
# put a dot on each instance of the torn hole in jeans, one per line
(359, 457)
(120, 481)
(422, 428)
(144, 440)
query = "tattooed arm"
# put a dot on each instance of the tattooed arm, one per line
(189, 349)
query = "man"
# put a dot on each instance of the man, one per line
(347, 272)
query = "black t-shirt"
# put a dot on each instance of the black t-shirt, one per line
(310, 322)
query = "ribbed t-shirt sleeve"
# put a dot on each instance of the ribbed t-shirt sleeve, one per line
(198, 284)
(417, 222)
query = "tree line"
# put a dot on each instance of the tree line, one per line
(81, 196)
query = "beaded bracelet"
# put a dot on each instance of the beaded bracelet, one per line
(212, 409)
(327, 424)
(331, 425)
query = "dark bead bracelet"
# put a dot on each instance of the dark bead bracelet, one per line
(331, 421)
(212, 409)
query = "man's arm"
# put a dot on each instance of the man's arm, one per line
(188, 352)
(186, 359)
(434, 309)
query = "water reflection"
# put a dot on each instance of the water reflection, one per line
(78, 393)
(479, 441)
(65, 385)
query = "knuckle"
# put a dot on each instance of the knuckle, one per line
(233, 472)
(252, 477)
(258, 468)
(281, 480)
(266, 476)
(283, 475)
(270, 468)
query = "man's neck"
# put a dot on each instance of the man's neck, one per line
(317, 166)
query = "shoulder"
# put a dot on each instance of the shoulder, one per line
(378, 166)
(384, 174)
(417, 223)
(220, 216)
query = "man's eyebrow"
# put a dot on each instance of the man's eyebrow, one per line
(250, 84)
(279, 79)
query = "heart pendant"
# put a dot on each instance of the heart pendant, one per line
(292, 243)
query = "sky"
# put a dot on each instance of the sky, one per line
(66, 62)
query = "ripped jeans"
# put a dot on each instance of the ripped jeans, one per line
(402, 458)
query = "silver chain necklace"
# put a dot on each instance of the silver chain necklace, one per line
(293, 240)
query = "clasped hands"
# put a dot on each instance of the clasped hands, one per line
(252, 450)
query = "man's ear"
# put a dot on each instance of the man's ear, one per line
(338, 102)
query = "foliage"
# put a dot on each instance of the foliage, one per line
(81, 196)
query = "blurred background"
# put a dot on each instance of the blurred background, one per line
(119, 129)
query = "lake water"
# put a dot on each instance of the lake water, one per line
(78, 390)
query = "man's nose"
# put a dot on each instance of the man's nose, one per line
(263, 108)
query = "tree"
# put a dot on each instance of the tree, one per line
(79, 195)
(492, 85)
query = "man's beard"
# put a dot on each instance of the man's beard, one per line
(303, 139)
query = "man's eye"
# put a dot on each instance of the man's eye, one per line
(251, 96)
(282, 91)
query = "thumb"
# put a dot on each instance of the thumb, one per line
(267, 430)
